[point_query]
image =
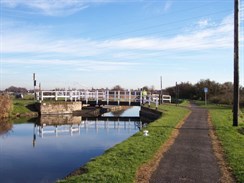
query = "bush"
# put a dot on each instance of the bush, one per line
(5, 106)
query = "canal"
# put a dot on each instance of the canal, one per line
(49, 148)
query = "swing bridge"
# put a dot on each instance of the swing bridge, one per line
(105, 97)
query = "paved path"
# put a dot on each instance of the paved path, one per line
(191, 157)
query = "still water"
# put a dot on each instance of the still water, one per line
(47, 150)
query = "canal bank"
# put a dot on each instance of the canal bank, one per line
(121, 163)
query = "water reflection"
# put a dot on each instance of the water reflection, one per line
(51, 147)
(5, 127)
(60, 125)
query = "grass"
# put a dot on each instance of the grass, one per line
(120, 163)
(231, 138)
(21, 106)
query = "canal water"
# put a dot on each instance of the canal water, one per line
(48, 149)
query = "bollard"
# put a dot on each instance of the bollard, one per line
(145, 133)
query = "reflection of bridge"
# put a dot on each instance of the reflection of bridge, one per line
(127, 97)
(108, 123)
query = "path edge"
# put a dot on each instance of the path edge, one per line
(145, 171)
(225, 170)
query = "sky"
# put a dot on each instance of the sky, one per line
(103, 43)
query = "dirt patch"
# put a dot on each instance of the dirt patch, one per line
(226, 175)
(145, 171)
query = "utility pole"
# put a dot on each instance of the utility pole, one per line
(236, 64)
(161, 91)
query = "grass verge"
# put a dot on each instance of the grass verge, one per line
(120, 163)
(21, 106)
(231, 138)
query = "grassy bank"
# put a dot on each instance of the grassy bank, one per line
(23, 107)
(120, 163)
(232, 138)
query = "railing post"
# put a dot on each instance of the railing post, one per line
(156, 103)
(125, 96)
(118, 97)
(129, 97)
(42, 96)
(86, 96)
(114, 96)
(149, 100)
(65, 98)
(97, 97)
(75, 92)
(70, 95)
(140, 97)
(107, 97)
(56, 95)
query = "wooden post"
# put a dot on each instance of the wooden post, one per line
(107, 96)
(149, 101)
(42, 96)
(156, 103)
(118, 97)
(86, 96)
(236, 64)
(114, 96)
(56, 95)
(97, 97)
(141, 97)
(129, 97)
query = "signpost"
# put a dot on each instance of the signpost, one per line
(205, 91)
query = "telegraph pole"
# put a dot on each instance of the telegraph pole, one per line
(161, 91)
(236, 64)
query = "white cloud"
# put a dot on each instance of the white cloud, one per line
(203, 23)
(52, 7)
(167, 5)
(78, 65)
(39, 42)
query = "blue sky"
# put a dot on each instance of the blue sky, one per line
(103, 43)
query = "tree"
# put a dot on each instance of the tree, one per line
(117, 88)
(16, 89)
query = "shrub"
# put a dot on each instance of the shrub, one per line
(5, 106)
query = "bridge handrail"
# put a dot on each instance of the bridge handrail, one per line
(106, 95)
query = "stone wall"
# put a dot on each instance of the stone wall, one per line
(150, 113)
(59, 107)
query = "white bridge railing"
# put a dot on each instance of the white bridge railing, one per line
(107, 96)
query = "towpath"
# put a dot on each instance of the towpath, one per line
(191, 157)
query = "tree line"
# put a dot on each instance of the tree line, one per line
(217, 93)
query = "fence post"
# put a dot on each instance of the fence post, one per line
(42, 96)
(149, 100)
(107, 96)
(118, 97)
(86, 96)
(56, 95)
(129, 97)
(140, 97)
(97, 97)
(65, 98)
(156, 103)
